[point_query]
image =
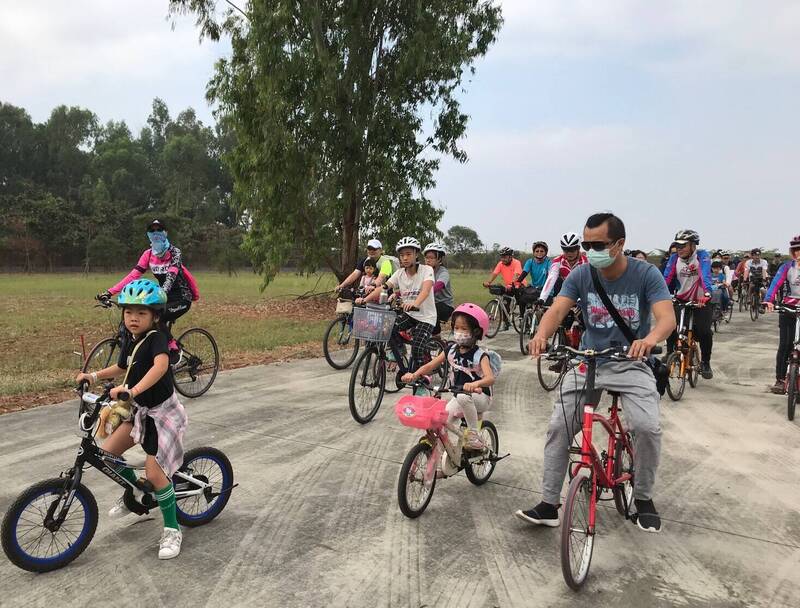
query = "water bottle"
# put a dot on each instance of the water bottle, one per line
(383, 297)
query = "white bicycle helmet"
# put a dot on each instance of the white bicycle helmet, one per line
(570, 239)
(407, 241)
(437, 247)
(687, 236)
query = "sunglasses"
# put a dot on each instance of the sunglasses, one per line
(596, 245)
(156, 229)
(569, 249)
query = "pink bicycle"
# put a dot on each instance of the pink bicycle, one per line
(436, 455)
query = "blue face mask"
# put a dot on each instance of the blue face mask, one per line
(159, 242)
(600, 259)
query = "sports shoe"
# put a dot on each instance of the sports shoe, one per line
(120, 510)
(646, 516)
(170, 544)
(543, 514)
(472, 441)
(705, 371)
(779, 388)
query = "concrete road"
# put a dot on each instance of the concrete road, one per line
(315, 521)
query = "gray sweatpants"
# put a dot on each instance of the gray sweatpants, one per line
(640, 405)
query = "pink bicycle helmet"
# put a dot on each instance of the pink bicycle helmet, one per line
(477, 313)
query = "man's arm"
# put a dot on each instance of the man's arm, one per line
(353, 276)
(549, 324)
(664, 314)
(552, 277)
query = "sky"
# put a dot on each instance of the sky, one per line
(678, 114)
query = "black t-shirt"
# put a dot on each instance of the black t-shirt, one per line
(154, 344)
(360, 264)
(466, 360)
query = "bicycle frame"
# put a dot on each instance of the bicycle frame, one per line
(590, 459)
(685, 342)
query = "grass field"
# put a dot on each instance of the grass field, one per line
(42, 317)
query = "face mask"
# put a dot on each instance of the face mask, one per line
(600, 259)
(158, 242)
(462, 338)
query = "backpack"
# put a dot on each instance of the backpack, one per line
(392, 259)
(495, 360)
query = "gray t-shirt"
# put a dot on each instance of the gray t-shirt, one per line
(446, 293)
(633, 294)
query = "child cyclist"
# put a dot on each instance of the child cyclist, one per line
(442, 291)
(158, 419)
(367, 283)
(414, 285)
(469, 366)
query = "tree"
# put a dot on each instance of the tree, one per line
(326, 100)
(463, 243)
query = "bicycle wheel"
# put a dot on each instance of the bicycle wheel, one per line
(577, 539)
(367, 385)
(729, 313)
(791, 390)
(414, 491)
(338, 345)
(495, 315)
(742, 302)
(436, 347)
(623, 463)
(676, 383)
(516, 320)
(479, 472)
(195, 371)
(210, 466)
(754, 308)
(551, 371)
(33, 546)
(525, 332)
(693, 372)
(103, 355)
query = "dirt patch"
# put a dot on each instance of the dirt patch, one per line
(316, 308)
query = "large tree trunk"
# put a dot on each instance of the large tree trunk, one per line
(350, 227)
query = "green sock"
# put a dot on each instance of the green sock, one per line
(166, 502)
(128, 473)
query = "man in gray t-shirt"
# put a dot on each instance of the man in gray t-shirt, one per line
(635, 288)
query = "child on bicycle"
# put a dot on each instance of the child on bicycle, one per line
(469, 366)
(158, 420)
(720, 289)
(413, 283)
(367, 283)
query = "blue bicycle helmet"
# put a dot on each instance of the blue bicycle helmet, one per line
(143, 292)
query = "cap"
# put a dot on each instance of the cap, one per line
(157, 223)
(374, 244)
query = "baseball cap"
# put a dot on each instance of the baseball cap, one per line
(374, 244)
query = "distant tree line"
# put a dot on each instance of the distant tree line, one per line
(76, 193)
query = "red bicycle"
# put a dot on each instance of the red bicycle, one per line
(610, 470)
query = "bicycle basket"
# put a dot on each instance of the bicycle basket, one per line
(529, 295)
(373, 323)
(421, 412)
(344, 307)
(497, 290)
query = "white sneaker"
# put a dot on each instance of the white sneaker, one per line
(119, 509)
(170, 544)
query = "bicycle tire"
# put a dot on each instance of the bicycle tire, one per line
(516, 321)
(480, 472)
(575, 564)
(674, 368)
(223, 492)
(412, 467)
(548, 382)
(372, 363)
(495, 315)
(524, 335)
(742, 302)
(729, 314)
(791, 390)
(101, 356)
(72, 549)
(623, 463)
(754, 308)
(192, 362)
(340, 363)
(694, 366)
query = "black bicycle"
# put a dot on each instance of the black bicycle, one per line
(53, 521)
(373, 324)
(338, 344)
(193, 373)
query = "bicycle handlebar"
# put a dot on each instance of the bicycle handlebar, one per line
(686, 304)
(613, 352)
(787, 309)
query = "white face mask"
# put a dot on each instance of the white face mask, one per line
(462, 338)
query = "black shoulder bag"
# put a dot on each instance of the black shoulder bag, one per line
(660, 371)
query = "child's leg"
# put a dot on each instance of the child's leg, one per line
(469, 411)
(118, 443)
(165, 494)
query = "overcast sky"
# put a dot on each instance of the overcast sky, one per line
(671, 114)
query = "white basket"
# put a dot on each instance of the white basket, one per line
(373, 323)
(344, 307)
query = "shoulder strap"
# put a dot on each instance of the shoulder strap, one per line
(598, 287)
(133, 354)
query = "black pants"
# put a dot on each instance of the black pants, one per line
(702, 331)
(443, 314)
(175, 309)
(785, 343)
(420, 333)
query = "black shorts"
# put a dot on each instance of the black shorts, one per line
(150, 439)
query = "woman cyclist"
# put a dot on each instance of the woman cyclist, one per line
(166, 263)
(788, 274)
(442, 292)
(537, 266)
